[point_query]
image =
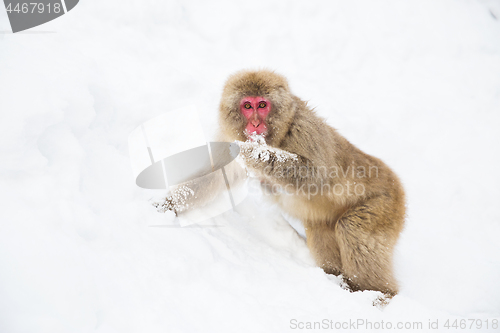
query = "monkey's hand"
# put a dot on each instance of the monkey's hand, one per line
(260, 158)
(165, 205)
(177, 202)
(279, 166)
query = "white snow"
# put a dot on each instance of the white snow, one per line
(415, 83)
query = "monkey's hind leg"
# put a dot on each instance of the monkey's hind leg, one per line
(366, 235)
(321, 241)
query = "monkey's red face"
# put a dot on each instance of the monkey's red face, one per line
(255, 109)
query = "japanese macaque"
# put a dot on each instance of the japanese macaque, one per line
(351, 204)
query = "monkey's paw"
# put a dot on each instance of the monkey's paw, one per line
(177, 202)
(165, 206)
(256, 151)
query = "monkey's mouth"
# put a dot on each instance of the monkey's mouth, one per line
(259, 128)
(253, 133)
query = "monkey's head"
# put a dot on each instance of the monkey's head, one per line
(256, 102)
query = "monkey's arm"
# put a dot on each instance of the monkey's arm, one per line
(189, 195)
(279, 166)
(201, 191)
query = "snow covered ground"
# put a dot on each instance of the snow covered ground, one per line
(416, 83)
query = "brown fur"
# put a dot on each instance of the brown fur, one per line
(349, 234)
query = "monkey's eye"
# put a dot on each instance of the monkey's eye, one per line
(247, 106)
(262, 104)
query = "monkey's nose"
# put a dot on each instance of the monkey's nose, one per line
(255, 123)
